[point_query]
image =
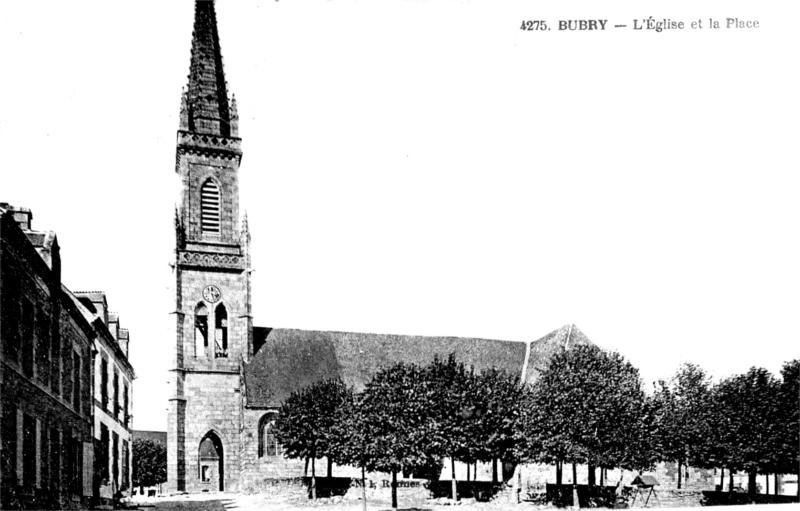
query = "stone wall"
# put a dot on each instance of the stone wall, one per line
(261, 473)
(235, 299)
(195, 169)
(212, 407)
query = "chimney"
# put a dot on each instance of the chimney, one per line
(98, 301)
(113, 324)
(124, 340)
(23, 216)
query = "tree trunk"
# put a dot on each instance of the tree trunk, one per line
(394, 489)
(767, 478)
(453, 488)
(602, 476)
(364, 488)
(751, 482)
(330, 467)
(467, 464)
(730, 480)
(592, 475)
(494, 470)
(722, 479)
(559, 472)
(680, 473)
(313, 480)
(574, 474)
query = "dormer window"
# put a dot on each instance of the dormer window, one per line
(209, 207)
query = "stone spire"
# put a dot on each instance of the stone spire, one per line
(206, 98)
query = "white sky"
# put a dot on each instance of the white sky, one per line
(425, 167)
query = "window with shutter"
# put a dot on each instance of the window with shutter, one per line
(209, 207)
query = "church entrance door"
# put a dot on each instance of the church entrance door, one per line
(212, 463)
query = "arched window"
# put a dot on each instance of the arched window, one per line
(267, 441)
(209, 207)
(200, 330)
(220, 332)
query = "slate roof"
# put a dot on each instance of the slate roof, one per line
(290, 360)
(544, 348)
(207, 95)
(159, 437)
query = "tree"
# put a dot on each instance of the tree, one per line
(499, 397)
(149, 462)
(456, 412)
(397, 428)
(306, 423)
(588, 406)
(789, 442)
(684, 420)
(748, 423)
(348, 442)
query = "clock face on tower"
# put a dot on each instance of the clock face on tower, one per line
(211, 294)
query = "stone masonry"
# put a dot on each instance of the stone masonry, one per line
(213, 325)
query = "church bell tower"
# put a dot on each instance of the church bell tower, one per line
(213, 323)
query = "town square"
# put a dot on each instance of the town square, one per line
(465, 262)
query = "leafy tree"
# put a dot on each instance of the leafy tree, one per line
(307, 420)
(348, 443)
(456, 412)
(149, 462)
(588, 406)
(789, 443)
(500, 418)
(396, 426)
(748, 423)
(684, 420)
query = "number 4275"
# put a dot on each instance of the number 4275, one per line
(534, 25)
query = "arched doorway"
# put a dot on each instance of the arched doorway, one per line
(212, 463)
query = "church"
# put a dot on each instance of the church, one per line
(229, 377)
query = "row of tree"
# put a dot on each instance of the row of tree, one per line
(407, 418)
(746, 423)
(588, 407)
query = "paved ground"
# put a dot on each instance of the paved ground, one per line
(234, 502)
(216, 502)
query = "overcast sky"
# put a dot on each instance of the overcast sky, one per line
(426, 167)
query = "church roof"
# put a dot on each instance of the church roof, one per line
(290, 360)
(543, 349)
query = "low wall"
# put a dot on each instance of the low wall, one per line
(726, 498)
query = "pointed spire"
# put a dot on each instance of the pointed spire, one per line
(245, 227)
(234, 110)
(207, 94)
(184, 122)
(234, 117)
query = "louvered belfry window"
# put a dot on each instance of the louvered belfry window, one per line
(209, 207)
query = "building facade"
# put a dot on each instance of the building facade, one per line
(112, 398)
(228, 377)
(65, 378)
(45, 374)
